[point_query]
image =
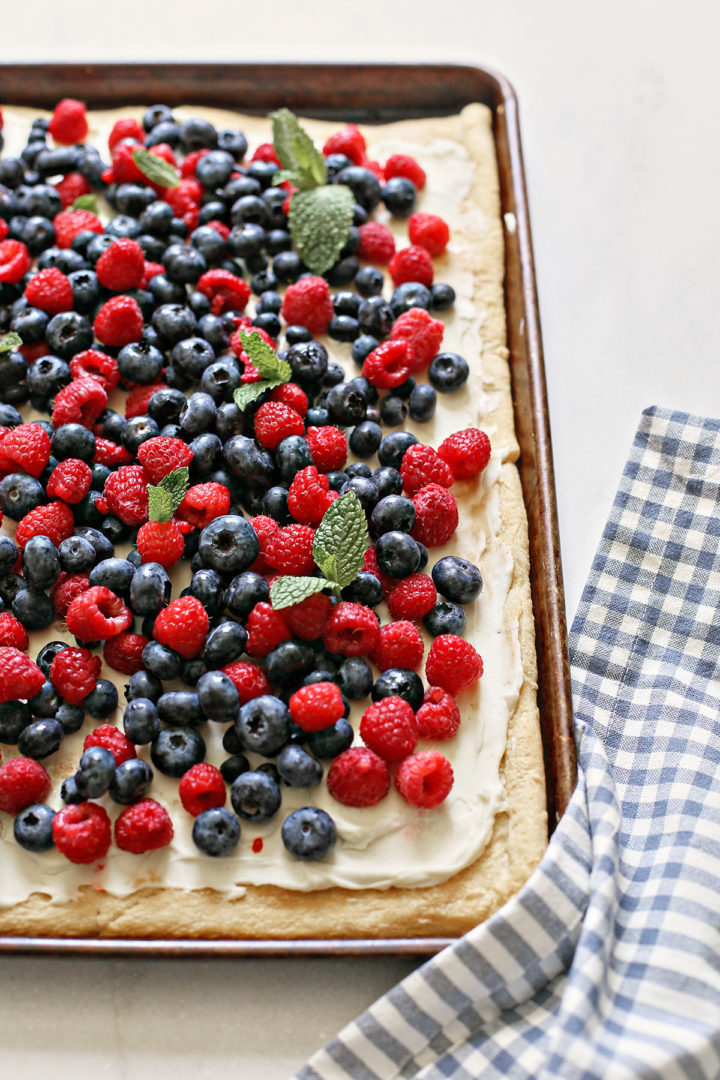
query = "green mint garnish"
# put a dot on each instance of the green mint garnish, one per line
(10, 342)
(286, 591)
(165, 497)
(303, 164)
(263, 357)
(85, 202)
(156, 169)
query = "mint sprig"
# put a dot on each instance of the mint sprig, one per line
(339, 548)
(10, 342)
(156, 169)
(263, 357)
(164, 498)
(85, 202)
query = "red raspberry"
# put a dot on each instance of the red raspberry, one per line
(126, 494)
(150, 270)
(70, 480)
(97, 614)
(161, 542)
(14, 261)
(422, 465)
(265, 529)
(26, 447)
(182, 626)
(112, 739)
(290, 550)
(377, 243)
(188, 169)
(407, 166)
(12, 632)
(161, 455)
(139, 397)
(23, 782)
(358, 777)
(453, 664)
(400, 645)
(438, 717)
(203, 503)
(68, 123)
(74, 673)
(144, 826)
(225, 291)
(185, 197)
(219, 227)
(308, 619)
(71, 187)
(65, 589)
(328, 447)
(436, 515)
(425, 779)
(308, 303)
(429, 231)
(121, 266)
(93, 364)
(316, 707)
(109, 453)
(50, 290)
(412, 597)
(245, 323)
(4, 228)
(275, 422)
(125, 128)
(119, 321)
(389, 364)
(80, 402)
(82, 832)
(69, 223)
(34, 352)
(352, 630)
(265, 152)
(124, 652)
(370, 565)
(20, 677)
(202, 788)
(411, 264)
(54, 521)
(389, 728)
(349, 141)
(292, 395)
(424, 333)
(266, 629)
(467, 452)
(309, 496)
(249, 680)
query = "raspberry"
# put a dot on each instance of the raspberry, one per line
(4, 228)
(467, 452)
(452, 664)
(349, 141)
(412, 597)
(436, 515)
(182, 626)
(265, 529)
(316, 707)
(249, 680)
(424, 333)
(139, 397)
(370, 565)
(358, 777)
(161, 542)
(20, 677)
(14, 261)
(201, 788)
(265, 152)
(218, 226)
(275, 422)
(150, 270)
(119, 321)
(328, 447)
(124, 652)
(74, 673)
(400, 645)
(54, 521)
(82, 832)
(188, 168)
(389, 728)
(225, 291)
(425, 779)
(97, 614)
(203, 503)
(352, 630)
(68, 123)
(309, 496)
(93, 364)
(377, 243)
(266, 628)
(65, 589)
(438, 717)
(161, 455)
(26, 447)
(121, 266)
(50, 290)
(389, 364)
(23, 782)
(404, 165)
(125, 128)
(80, 402)
(308, 303)
(144, 826)
(308, 619)
(112, 739)
(71, 187)
(70, 223)
(411, 264)
(428, 231)
(70, 480)
(185, 197)
(245, 323)
(421, 465)
(291, 394)
(109, 453)
(127, 495)
(290, 550)
(12, 632)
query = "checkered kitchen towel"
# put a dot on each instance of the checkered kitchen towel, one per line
(607, 965)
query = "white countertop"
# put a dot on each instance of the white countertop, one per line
(618, 109)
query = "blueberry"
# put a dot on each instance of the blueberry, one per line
(76, 554)
(355, 678)
(8, 554)
(309, 362)
(41, 738)
(445, 618)
(69, 792)
(46, 702)
(365, 589)
(175, 750)
(150, 589)
(255, 795)
(392, 449)
(234, 142)
(457, 579)
(399, 682)
(393, 411)
(397, 554)
(47, 654)
(448, 371)
(309, 834)
(275, 504)
(296, 335)
(101, 702)
(388, 481)
(95, 771)
(218, 697)
(216, 832)
(14, 717)
(228, 544)
(246, 239)
(140, 362)
(409, 295)
(179, 707)
(263, 725)
(143, 684)
(68, 333)
(225, 643)
(399, 195)
(288, 664)
(206, 451)
(19, 494)
(103, 546)
(375, 317)
(40, 562)
(443, 296)
(33, 609)
(32, 828)
(115, 574)
(394, 512)
(249, 462)
(298, 768)
(422, 402)
(131, 781)
(365, 439)
(72, 717)
(291, 456)
(162, 661)
(192, 670)
(363, 183)
(331, 741)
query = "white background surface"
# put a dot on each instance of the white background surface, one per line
(618, 108)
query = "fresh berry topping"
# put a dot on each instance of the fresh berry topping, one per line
(23, 781)
(422, 465)
(109, 453)
(328, 447)
(25, 447)
(411, 264)
(406, 166)
(119, 321)
(377, 243)
(182, 626)
(429, 231)
(225, 291)
(308, 303)
(292, 395)
(126, 494)
(266, 628)
(70, 480)
(74, 673)
(12, 632)
(139, 398)
(412, 597)
(249, 680)
(80, 402)
(452, 664)
(202, 788)
(71, 187)
(389, 364)
(289, 550)
(66, 589)
(14, 261)
(70, 223)
(97, 614)
(124, 652)
(308, 619)
(162, 454)
(438, 717)
(121, 266)
(349, 141)
(275, 422)
(399, 645)
(308, 833)
(424, 333)
(160, 542)
(82, 832)
(144, 826)
(316, 707)
(436, 515)
(112, 739)
(352, 630)
(50, 290)
(424, 779)
(54, 521)
(309, 496)
(389, 728)
(467, 452)
(265, 529)
(125, 128)
(68, 123)
(358, 777)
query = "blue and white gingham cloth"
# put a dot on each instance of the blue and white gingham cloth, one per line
(606, 966)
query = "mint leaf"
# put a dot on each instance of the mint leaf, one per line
(157, 170)
(310, 161)
(286, 591)
(264, 358)
(296, 151)
(160, 507)
(10, 342)
(249, 392)
(85, 202)
(320, 220)
(164, 498)
(285, 128)
(341, 540)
